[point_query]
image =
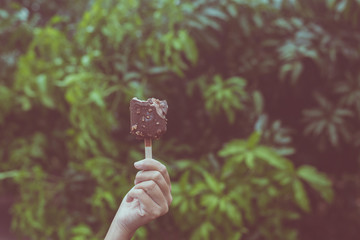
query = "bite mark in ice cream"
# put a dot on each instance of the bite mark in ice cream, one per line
(148, 118)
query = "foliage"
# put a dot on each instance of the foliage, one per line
(283, 72)
(253, 185)
(221, 95)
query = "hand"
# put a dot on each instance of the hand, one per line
(148, 199)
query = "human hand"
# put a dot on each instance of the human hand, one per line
(150, 198)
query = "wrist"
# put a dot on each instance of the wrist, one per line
(126, 233)
(118, 231)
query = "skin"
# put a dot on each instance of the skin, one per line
(149, 199)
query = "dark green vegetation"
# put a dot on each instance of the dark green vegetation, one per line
(264, 99)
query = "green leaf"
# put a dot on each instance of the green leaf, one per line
(209, 22)
(258, 20)
(212, 182)
(213, 12)
(260, 181)
(96, 97)
(312, 176)
(210, 202)
(301, 197)
(312, 113)
(182, 164)
(253, 139)
(108, 196)
(233, 213)
(9, 174)
(73, 78)
(341, 6)
(332, 134)
(232, 10)
(236, 236)
(57, 19)
(258, 102)
(317, 180)
(184, 206)
(271, 157)
(82, 230)
(203, 231)
(229, 113)
(41, 82)
(158, 70)
(184, 180)
(198, 188)
(297, 68)
(250, 160)
(284, 70)
(244, 23)
(131, 75)
(191, 50)
(285, 151)
(233, 147)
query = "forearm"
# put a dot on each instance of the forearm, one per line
(116, 232)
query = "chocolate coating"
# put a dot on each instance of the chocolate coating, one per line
(148, 118)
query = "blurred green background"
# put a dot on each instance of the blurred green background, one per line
(264, 110)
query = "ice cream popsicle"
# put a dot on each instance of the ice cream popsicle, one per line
(148, 120)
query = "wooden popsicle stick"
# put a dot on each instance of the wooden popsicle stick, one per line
(148, 148)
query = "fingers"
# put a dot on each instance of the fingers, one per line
(158, 178)
(145, 195)
(151, 164)
(154, 192)
(147, 205)
(149, 198)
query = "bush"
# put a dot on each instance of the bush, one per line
(280, 73)
(253, 185)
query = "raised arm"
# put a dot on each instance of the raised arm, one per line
(150, 198)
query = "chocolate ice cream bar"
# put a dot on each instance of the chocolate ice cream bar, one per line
(148, 118)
